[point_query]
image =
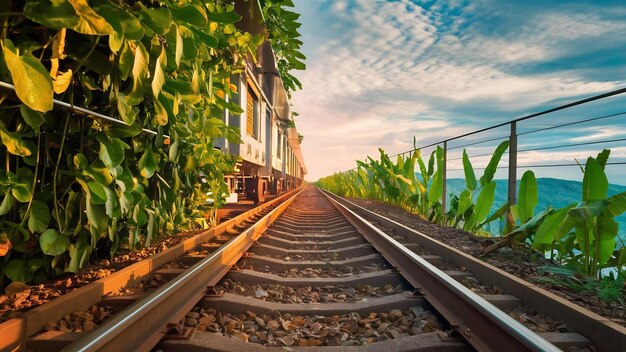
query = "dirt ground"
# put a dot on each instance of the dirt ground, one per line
(521, 262)
(31, 296)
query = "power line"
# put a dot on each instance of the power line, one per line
(550, 147)
(543, 165)
(573, 123)
(544, 112)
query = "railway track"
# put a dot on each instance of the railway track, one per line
(312, 272)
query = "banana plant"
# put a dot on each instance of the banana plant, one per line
(586, 232)
(473, 215)
(395, 182)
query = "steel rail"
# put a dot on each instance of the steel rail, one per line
(144, 323)
(482, 324)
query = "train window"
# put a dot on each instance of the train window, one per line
(279, 138)
(252, 114)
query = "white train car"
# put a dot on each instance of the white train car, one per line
(271, 160)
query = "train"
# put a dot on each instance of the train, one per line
(270, 157)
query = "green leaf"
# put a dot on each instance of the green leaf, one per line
(173, 151)
(13, 142)
(126, 60)
(224, 17)
(79, 255)
(156, 19)
(492, 166)
(151, 230)
(52, 242)
(547, 231)
(436, 187)
(605, 238)
(163, 110)
(139, 216)
(465, 202)
(431, 163)
(99, 172)
(7, 203)
(53, 14)
(126, 203)
(111, 150)
(603, 157)
(595, 183)
(33, 118)
(72, 208)
(483, 205)
(617, 204)
(583, 213)
(122, 21)
(96, 215)
(18, 270)
(125, 180)
(120, 131)
(149, 162)
(112, 206)
(470, 176)
(174, 47)
(193, 14)
(190, 48)
(22, 192)
(581, 216)
(497, 214)
(204, 38)
(39, 218)
(97, 193)
(33, 84)
(528, 196)
(80, 161)
(532, 223)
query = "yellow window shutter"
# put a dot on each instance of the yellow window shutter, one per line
(250, 114)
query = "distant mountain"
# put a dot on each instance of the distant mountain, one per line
(552, 192)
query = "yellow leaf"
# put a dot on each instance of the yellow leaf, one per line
(190, 164)
(403, 179)
(158, 78)
(175, 103)
(233, 88)
(33, 84)
(62, 81)
(58, 45)
(90, 22)
(54, 68)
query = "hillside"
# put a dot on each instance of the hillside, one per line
(552, 192)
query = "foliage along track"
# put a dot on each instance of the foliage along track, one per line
(87, 307)
(558, 320)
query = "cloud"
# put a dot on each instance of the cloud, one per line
(596, 133)
(382, 72)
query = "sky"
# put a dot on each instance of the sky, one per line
(380, 73)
